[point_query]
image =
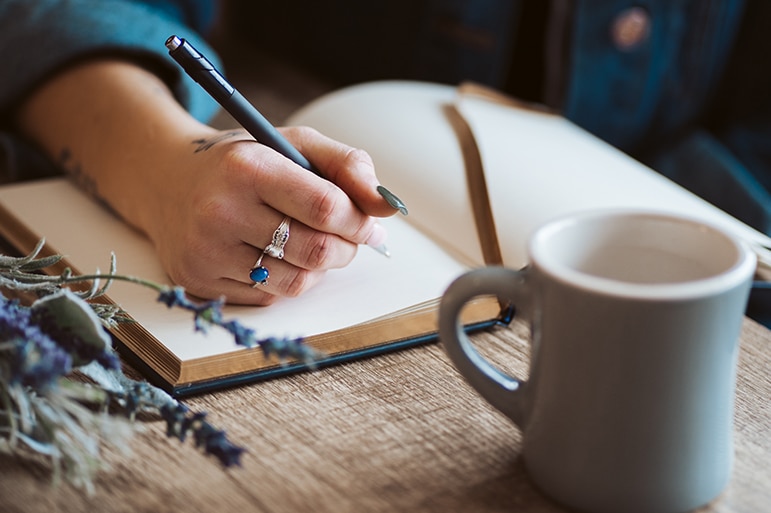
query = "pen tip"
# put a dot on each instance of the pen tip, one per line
(382, 249)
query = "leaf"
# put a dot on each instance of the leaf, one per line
(75, 317)
(83, 393)
(41, 263)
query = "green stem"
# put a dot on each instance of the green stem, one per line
(119, 277)
(13, 425)
(59, 280)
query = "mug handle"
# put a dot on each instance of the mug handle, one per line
(504, 392)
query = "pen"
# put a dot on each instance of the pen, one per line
(202, 71)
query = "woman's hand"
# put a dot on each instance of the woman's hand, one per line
(226, 195)
(209, 200)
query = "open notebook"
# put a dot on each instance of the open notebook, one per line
(536, 166)
(374, 304)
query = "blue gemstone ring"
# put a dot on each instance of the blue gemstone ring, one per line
(259, 273)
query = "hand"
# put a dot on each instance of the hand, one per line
(209, 200)
(227, 194)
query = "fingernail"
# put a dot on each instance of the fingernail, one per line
(378, 235)
(392, 199)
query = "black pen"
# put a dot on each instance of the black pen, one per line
(202, 71)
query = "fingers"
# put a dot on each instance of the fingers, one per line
(239, 293)
(314, 201)
(227, 248)
(220, 219)
(305, 247)
(224, 270)
(351, 169)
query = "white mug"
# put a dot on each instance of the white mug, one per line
(635, 320)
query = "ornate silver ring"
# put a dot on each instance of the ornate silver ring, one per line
(259, 273)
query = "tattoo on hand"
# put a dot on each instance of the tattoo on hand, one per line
(80, 177)
(75, 171)
(208, 142)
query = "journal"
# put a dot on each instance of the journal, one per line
(478, 174)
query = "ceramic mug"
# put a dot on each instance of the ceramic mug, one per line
(635, 319)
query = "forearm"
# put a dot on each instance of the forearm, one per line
(207, 199)
(114, 127)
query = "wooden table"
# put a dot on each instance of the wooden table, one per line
(400, 432)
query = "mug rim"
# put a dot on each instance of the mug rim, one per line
(742, 268)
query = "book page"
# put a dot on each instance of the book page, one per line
(539, 166)
(402, 125)
(371, 286)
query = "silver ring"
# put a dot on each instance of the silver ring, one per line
(259, 274)
(280, 236)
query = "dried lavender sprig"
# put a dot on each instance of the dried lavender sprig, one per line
(209, 313)
(135, 396)
(14, 273)
(22, 273)
(180, 422)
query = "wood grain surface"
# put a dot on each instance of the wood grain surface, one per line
(400, 432)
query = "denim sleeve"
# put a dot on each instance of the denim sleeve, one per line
(690, 98)
(39, 38)
(727, 159)
(710, 168)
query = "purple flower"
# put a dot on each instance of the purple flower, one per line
(174, 415)
(136, 396)
(215, 442)
(285, 348)
(209, 314)
(73, 344)
(206, 314)
(180, 421)
(243, 336)
(174, 297)
(37, 361)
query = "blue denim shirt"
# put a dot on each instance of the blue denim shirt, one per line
(679, 99)
(681, 85)
(684, 93)
(677, 84)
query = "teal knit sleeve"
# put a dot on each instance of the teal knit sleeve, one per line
(38, 38)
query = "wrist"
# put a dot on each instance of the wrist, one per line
(116, 128)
